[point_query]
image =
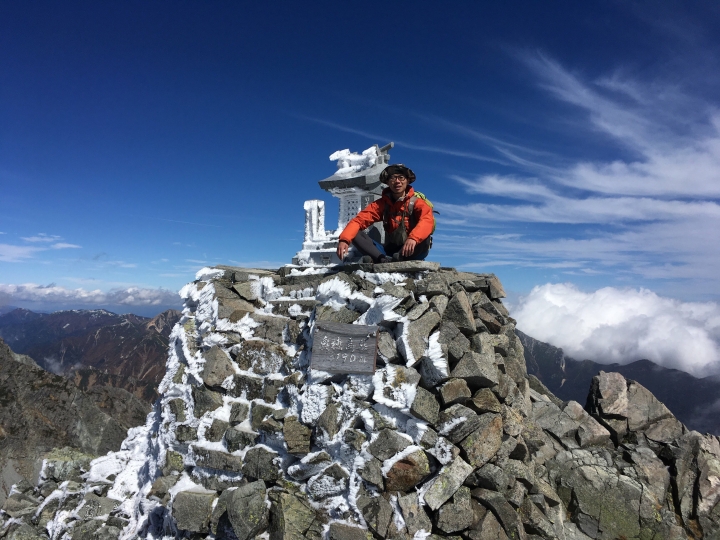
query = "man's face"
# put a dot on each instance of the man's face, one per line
(397, 184)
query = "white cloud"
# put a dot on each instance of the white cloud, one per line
(43, 242)
(624, 325)
(42, 237)
(10, 253)
(54, 294)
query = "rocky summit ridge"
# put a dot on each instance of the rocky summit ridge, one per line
(449, 438)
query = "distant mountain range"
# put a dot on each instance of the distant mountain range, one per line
(100, 348)
(94, 347)
(694, 401)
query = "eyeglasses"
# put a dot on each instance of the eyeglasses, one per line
(397, 178)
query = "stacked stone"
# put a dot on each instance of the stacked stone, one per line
(450, 438)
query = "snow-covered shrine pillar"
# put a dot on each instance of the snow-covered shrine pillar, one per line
(314, 223)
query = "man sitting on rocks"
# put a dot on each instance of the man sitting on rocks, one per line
(407, 219)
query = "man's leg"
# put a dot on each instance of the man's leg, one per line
(368, 246)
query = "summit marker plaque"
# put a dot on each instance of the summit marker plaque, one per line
(344, 348)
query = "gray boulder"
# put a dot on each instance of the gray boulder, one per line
(218, 366)
(192, 510)
(260, 463)
(478, 370)
(446, 483)
(415, 517)
(215, 459)
(292, 518)
(459, 312)
(485, 441)
(247, 510)
(456, 515)
(387, 444)
(413, 346)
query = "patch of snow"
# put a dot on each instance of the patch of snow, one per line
(305, 271)
(391, 393)
(382, 277)
(185, 483)
(334, 293)
(350, 163)
(416, 429)
(266, 290)
(208, 273)
(295, 310)
(398, 520)
(314, 401)
(435, 354)
(245, 326)
(380, 310)
(323, 486)
(449, 426)
(442, 451)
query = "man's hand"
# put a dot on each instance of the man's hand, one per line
(342, 249)
(408, 247)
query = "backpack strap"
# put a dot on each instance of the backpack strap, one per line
(411, 208)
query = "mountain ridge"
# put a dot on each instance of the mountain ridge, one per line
(694, 401)
(128, 349)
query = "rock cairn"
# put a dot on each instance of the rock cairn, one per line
(449, 438)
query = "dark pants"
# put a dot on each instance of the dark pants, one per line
(376, 250)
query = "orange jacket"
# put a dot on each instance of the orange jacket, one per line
(375, 211)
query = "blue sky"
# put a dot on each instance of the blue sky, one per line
(562, 142)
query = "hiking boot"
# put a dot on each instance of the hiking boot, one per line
(384, 259)
(366, 259)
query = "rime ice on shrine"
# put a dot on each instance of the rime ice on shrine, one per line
(356, 183)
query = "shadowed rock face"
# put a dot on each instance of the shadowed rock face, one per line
(40, 411)
(306, 452)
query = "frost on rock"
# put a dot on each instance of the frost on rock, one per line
(243, 420)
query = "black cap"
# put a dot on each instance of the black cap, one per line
(397, 168)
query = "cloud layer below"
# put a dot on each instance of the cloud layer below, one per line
(53, 295)
(623, 325)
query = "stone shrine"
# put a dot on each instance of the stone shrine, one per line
(356, 183)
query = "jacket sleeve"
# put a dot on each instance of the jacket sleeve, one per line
(372, 213)
(425, 221)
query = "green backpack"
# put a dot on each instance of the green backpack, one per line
(411, 206)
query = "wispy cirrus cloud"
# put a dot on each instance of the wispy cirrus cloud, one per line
(41, 238)
(435, 149)
(11, 253)
(655, 215)
(39, 243)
